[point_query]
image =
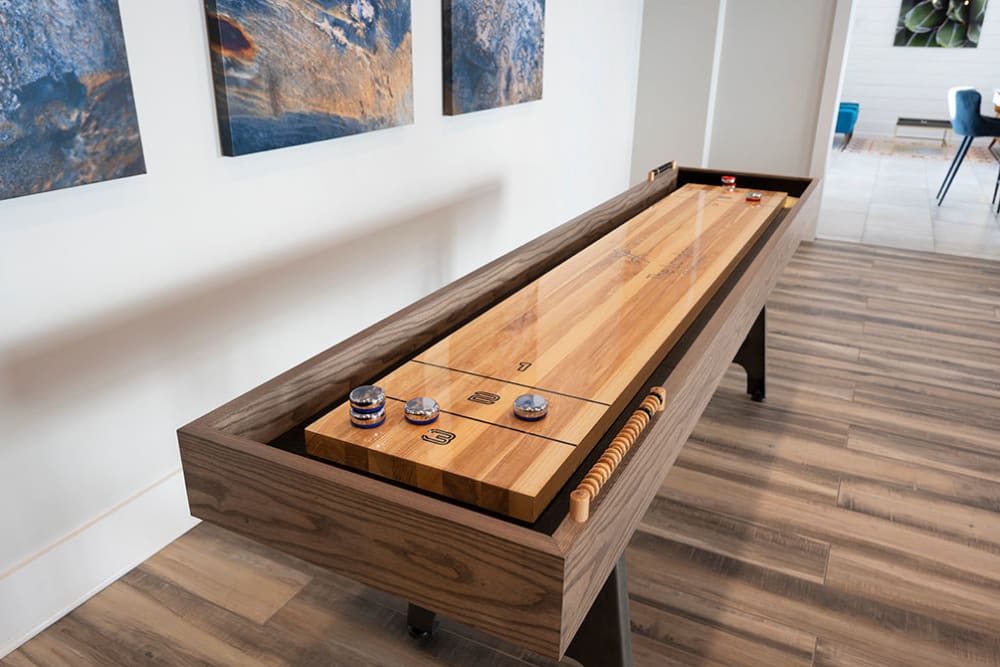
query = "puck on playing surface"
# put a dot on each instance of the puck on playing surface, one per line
(530, 407)
(729, 182)
(421, 410)
(754, 196)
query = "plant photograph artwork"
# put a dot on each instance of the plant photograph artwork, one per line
(290, 72)
(940, 23)
(493, 53)
(67, 112)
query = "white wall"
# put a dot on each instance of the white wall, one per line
(762, 114)
(771, 78)
(890, 82)
(675, 77)
(131, 307)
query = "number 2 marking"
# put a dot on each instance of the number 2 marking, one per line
(436, 436)
(523, 366)
(484, 397)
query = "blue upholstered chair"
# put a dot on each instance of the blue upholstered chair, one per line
(964, 104)
(846, 118)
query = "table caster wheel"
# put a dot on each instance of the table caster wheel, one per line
(419, 634)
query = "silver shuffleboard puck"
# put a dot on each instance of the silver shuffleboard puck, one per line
(368, 419)
(421, 410)
(530, 407)
(367, 398)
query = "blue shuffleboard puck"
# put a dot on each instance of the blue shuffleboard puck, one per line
(368, 419)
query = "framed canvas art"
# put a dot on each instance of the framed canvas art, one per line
(67, 112)
(291, 72)
(493, 53)
(940, 23)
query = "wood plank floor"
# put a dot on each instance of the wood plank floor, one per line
(852, 519)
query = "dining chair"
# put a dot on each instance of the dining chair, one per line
(967, 121)
(847, 117)
(995, 188)
(996, 109)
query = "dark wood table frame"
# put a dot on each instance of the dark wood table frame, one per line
(534, 585)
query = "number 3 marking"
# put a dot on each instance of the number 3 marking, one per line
(436, 436)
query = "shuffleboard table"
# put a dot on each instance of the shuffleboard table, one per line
(624, 319)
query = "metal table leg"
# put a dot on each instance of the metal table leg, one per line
(752, 356)
(420, 622)
(605, 637)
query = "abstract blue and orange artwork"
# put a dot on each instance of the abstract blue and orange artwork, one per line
(493, 53)
(67, 113)
(290, 72)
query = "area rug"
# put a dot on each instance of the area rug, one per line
(930, 149)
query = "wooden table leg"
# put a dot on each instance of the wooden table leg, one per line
(605, 637)
(752, 356)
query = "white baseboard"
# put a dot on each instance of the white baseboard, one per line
(51, 583)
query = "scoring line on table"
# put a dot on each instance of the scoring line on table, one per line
(516, 384)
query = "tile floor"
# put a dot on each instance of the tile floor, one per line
(886, 197)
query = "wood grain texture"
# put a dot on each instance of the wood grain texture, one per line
(209, 569)
(598, 319)
(751, 542)
(911, 577)
(496, 461)
(592, 328)
(721, 646)
(747, 592)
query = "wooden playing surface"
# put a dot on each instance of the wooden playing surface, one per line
(584, 335)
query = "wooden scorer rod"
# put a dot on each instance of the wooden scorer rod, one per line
(590, 486)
